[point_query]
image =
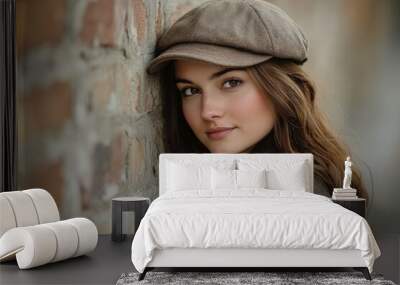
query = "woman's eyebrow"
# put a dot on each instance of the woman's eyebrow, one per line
(213, 76)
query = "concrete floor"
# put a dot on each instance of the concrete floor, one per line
(110, 259)
(388, 263)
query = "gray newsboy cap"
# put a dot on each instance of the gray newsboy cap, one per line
(234, 33)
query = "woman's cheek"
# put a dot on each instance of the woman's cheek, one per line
(241, 108)
(190, 113)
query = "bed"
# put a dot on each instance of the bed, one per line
(246, 211)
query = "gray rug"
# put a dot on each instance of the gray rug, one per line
(229, 278)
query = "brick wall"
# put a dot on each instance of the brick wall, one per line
(88, 115)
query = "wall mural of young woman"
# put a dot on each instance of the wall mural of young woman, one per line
(92, 122)
(225, 90)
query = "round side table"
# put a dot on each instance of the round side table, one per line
(138, 205)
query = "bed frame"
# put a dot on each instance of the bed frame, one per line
(246, 259)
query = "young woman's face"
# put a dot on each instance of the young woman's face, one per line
(215, 98)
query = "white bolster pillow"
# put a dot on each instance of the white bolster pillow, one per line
(26, 208)
(40, 244)
(87, 234)
(24, 211)
(33, 246)
(46, 207)
(67, 240)
(7, 219)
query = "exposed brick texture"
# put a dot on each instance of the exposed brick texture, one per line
(98, 26)
(49, 176)
(48, 108)
(140, 17)
(39, 23)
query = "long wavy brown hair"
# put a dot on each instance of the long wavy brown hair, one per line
(300, 127)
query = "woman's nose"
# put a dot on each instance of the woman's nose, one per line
(211, 107)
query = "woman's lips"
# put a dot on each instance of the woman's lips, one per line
(220, 134)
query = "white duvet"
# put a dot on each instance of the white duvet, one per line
(252, 218)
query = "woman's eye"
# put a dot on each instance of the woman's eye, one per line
(189, 91)
(184, 93)
(233, 83)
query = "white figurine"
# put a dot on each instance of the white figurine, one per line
(347, 174)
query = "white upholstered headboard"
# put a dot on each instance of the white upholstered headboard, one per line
(214, 158)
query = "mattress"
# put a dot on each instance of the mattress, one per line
(250, 218)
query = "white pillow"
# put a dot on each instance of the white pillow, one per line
(251, 178)
(223, 179)
(181, 178)
(228, 179)
(293, 178)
